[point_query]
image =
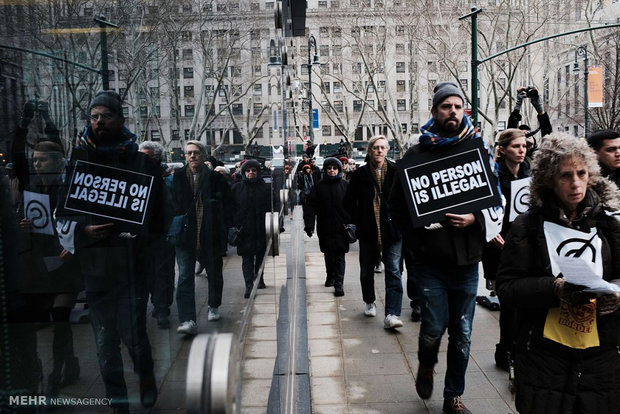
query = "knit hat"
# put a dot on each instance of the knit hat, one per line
(250, 163)
(332, 161)
(444, 90)
(343, 159)
(109, 99)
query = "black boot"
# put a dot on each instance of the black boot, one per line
(261, 283)
(248, 291)
(338, 290)
(502, 357)
(329, 281)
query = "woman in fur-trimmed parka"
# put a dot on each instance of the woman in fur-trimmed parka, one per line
(559, 368)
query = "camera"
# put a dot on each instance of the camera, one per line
(531, 92)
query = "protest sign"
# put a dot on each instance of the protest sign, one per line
(114, 193)
(37, 210)
(456, 180)
(520, 197)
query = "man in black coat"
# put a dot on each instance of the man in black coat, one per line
(252, 198)
(202, 194)
(366, 203)
(446, 257)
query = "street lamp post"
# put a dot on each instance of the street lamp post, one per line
(583, 51)
(311, 43)
(105, 74)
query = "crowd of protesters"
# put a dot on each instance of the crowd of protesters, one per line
(77, 224)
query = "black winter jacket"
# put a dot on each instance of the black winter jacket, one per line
(251, 200)
(358, 202)
(331, 216)
(550, 377)
(216, 217)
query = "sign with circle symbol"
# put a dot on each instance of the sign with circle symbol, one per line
(37, 210)
(566, 242)
(493, 219)
(519, 197)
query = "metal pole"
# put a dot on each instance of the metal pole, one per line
(585, 93)
(311, 42)
(474, 62)
(105, 73)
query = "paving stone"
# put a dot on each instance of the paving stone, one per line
(326, 366)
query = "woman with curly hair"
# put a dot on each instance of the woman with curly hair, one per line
(568, 339)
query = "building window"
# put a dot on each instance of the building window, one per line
(155, 135)
(357, 105)
(269, 5)
(186, 35)
(237, 109)
(401, 104)
(326, 87)
(257, 107)
(258, 69)
(337, 88)
(338, 106)
(326, 130)
(400, 86)
(322, 4)
(258, 90)
(400, 48)
(400, 67)
(189, 110)
(188, 73)
(188, 91)
(323, 31)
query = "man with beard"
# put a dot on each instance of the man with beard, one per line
(606, 144)
(113, 254)
(445, 258)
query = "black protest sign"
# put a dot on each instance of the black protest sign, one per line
(454, 180)
(114, 193)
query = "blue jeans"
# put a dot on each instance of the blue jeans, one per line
(186, 296)
(390, 256)
(116, 315)
(448, 300)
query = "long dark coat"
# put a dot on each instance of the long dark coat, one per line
(251, 200)
(326, 198)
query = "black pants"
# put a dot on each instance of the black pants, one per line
(334, 266)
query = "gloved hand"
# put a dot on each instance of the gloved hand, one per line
(28, 114)
(535, 100)
(607, 304)
(570, 293)
(521, 94)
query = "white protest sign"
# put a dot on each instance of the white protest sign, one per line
(37, 210)
(566, 242)
(519, 197)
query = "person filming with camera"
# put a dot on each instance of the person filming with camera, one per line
(544, 123)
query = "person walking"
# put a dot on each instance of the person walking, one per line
(306, 181)
(567, 339)
(331, 217)
(252, 199)
(366, 202)
(203, 195)
(510, 156)
(446, 257)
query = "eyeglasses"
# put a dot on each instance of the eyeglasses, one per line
(331, 167)
(106, 116)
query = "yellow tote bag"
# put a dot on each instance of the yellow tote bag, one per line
(573, 325)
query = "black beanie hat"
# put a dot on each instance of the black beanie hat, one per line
(109, 99)
(250, 163)
(445, 89)
(332, 161)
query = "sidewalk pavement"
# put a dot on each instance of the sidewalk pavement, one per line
(357, 366)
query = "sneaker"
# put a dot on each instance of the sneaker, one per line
(379, 268)
(338, 290)
(214, 314)
(392, 322)
(371, 309)
(454, 405)
(416, 313)
(424, 382)
(188, 328)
